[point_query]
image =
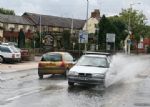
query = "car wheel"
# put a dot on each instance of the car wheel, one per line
(1, 59)
(41, 76)
(19, 60)
(71, 83)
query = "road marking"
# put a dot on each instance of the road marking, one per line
(25, 94)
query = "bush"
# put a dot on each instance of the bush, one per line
(148, 49)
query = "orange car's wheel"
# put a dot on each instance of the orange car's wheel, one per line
(66, 72)
(41, 76)
(70, 83)
(1, 59)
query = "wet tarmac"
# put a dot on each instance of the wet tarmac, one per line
(25, 89)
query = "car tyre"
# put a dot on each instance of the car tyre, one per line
(40, 76)
(70, 83)
(1, 59)
(66, 73)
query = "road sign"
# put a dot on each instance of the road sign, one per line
(83, 37)
(129, 42)
(110, 37)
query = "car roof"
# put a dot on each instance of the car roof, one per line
(56, 53)
(97, 53)
(5, 46)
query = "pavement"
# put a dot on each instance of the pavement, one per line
(24, 65)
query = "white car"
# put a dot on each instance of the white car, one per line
(9, 53)
(90, 69)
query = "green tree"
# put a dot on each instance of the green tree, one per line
(105, 26)
(136, 19)
(136, 23)
(121, 30)
(7, 11)
(66, 39)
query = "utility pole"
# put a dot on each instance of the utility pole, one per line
(129, 29)
(87, 23)
(40, 31)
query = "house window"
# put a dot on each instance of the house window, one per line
(6, 26)
(16, 28)
(55, 29)
(61, 29)
(50, 29)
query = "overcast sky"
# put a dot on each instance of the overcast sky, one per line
(75, 8)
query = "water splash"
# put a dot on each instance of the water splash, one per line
(126, 68)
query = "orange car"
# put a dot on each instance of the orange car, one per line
(55, 63)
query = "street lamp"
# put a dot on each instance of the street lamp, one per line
(129, 29)
(40, 31)
(87, 22)
(129, 26)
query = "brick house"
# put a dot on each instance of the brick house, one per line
(54, 25)
(10, 25)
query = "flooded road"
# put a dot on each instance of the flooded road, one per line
(127, 85)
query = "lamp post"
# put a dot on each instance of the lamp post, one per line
(87, 10)
(129, 29)
(97, 34)
(40, 31)
(129, 26)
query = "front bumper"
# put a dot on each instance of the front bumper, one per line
(86, 80)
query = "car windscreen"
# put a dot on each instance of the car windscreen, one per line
(92, 61)
(5, 49)
(14, 49)
(52, 57)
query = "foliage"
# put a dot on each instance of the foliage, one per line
(7, 11)
(121, 29)
(66, 39)
(36, 38)
(21, 39)
(105, 27)
(137, 22)
(148, 49)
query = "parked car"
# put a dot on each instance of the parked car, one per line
(9, 53)
(55, 63)
(25, 54)
(90, 69)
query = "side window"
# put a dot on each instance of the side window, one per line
(68, 57)
(5, 49)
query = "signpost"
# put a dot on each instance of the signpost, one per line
(83, 37)
(110, 38)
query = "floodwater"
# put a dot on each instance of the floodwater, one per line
(127, 85)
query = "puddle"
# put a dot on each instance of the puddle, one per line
(53, 87)
(142, 104)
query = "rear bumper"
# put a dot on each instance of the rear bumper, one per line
(51, 70)
(12, 59)
(86, 80)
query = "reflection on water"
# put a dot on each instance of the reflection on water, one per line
(87, 90)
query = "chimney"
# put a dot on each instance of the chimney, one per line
(95, 14)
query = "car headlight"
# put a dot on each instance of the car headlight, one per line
(73, 73)
(98, 75)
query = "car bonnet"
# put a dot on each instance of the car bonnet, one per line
(88, 69)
